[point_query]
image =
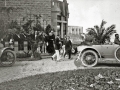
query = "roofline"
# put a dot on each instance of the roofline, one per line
(74, 26)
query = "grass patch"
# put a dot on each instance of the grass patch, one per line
(83, 79)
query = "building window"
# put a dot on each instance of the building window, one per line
(72, 31)
(79, 31)
(53, 3)
(64, 29)
(58, 17)
(59, 29)
(64, 18)
(76, 31)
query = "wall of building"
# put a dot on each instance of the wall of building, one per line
(24, 8)
(60, 17)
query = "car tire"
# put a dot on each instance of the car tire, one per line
(89, 58)
(11, 53)
(117, 54)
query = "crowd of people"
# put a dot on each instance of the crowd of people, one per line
(39, 42)
(65, 45)
(56, 46)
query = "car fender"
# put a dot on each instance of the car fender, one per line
(6, 48)
(81, 49)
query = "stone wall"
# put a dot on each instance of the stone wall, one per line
(23, 8)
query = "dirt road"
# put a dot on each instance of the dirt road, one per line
(26, 68)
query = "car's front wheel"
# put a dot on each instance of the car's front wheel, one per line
(89, 58)
(8, 58)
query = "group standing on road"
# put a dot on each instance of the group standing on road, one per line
(65, 46)
(54, 46)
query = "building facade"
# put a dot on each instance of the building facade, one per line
(76, 30)
(75, 33)
(51, 12)
(60, 15)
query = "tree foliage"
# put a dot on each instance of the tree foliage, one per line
(38, 27)
(100, 33)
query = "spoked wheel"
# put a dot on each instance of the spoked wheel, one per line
(8, 58)
(89, 58)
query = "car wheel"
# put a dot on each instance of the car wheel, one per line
(89, 58)
(8, 58)
(117, 54)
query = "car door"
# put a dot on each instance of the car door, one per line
(107, 51)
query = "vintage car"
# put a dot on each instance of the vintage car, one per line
(7, 56)
(89, 55)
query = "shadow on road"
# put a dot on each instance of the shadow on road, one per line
(108, 64)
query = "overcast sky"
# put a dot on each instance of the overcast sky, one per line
(87, 13)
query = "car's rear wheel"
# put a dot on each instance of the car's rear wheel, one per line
(89, 58)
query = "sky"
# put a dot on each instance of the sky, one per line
(88, 13)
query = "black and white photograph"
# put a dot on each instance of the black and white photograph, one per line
(59, 44)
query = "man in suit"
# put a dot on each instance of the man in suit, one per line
(68, 47)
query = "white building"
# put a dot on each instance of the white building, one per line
(75, 33)
(76, 30)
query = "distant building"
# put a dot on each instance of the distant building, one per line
(75, 33)
(76, 30)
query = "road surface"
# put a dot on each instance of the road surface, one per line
(27, 68)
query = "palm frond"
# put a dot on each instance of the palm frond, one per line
(112, 32)
(92, 31)
(107, 34)
(97, 29)
(102, 25)
(100, 33)
(111, 27)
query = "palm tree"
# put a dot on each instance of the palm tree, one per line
(100, 33)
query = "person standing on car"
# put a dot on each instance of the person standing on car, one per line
(68, 47)
(57, 48)
(117, 41)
